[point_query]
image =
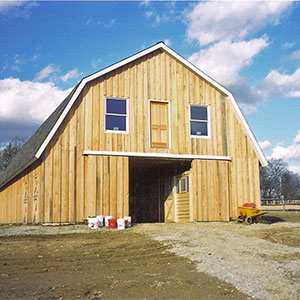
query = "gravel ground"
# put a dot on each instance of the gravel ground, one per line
(255, 266)
(235, 253)
(14, 230)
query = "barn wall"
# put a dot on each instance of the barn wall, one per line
(72, 186)
(210, 190)
(157, 76)
(244, 167)
(20, 201)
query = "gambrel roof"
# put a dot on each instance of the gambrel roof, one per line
(36, 145)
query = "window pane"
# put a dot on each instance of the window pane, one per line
(199, 113)
(115, 106)
(199, 128)
(183, 185)
(187, 184)
(117, 123)
(177, 185)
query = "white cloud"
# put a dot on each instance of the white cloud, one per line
(210, 22)
(294, 169)
(265, 145)
(291, 152)
(276, 83)
(7, 5)
(295, 55)
(27, 101)
(110, 24)
(46, 72)
(222, 30)
(288, 45)
(17, 8)
(167, 42)
(18, 60)
(96, 63)
(157, 19)
(288, 153)
(297, 137)
(144, 2)
(73, 74)
(148, 14)
(224, 60)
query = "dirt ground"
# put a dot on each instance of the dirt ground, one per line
(151, 261)
(106, 264)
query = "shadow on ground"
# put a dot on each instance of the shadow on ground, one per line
(270, 219)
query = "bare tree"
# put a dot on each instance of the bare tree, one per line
(9, 151)
(276, 181)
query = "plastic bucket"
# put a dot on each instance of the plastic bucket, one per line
(100, 220)
(112, 223)
(121, 224)
(93, 223)
(106, 220)
(128, 221)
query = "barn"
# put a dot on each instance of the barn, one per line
(150, 136)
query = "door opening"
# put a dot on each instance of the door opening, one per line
(152, 188)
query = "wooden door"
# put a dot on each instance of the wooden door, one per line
(168, 198)
(159, 124)
(182, 198)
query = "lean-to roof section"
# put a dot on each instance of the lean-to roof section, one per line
(34, 148)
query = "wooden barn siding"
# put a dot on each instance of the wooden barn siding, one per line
(210, 190)
(65, 173)
(20, 202)
(244, 167)
(158, 77)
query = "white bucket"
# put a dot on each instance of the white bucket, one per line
(93, 223)
(128, 219)
(100, 220)
(121, 223)
(106, 220)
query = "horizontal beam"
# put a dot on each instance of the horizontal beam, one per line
(156, 155)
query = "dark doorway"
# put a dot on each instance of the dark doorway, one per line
(147, 191)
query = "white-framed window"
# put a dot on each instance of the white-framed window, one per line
(199, 121)
(116, 115)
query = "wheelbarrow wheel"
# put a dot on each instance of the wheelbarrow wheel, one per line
(248, 220)
(240, 218)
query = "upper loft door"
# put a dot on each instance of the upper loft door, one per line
(159, 124)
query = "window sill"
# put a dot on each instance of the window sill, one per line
(200, 137)
(116, 131)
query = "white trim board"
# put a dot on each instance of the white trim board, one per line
(156, 155)
(171, 52)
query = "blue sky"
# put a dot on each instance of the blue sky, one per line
(250, 47)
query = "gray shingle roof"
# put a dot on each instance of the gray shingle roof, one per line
(27, 153)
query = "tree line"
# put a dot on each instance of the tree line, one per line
(275, 179)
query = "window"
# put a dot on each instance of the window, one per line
(116, 115)
(199, 119)
(182, 184)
